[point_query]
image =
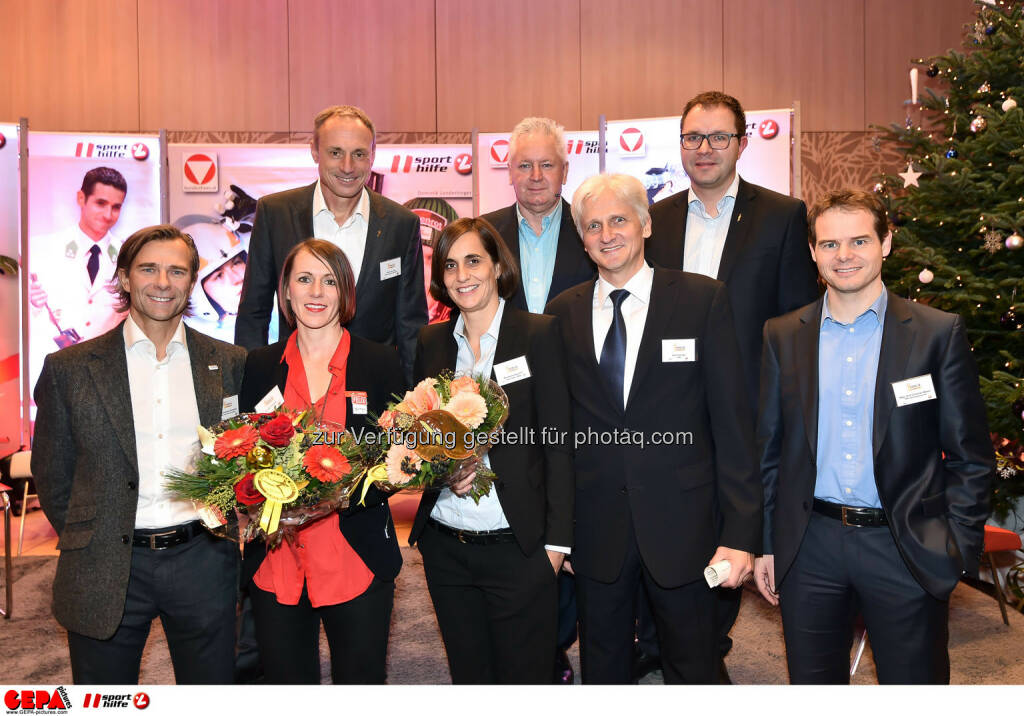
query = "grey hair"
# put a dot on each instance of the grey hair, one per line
(540, 125)
(627, 189)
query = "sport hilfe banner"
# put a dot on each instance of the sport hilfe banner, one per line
(493, 189)
(648, 149)
(10, 291)
(75, 234)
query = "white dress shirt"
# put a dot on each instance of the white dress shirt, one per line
(350, 237)
(166, 417)
(634, 311)
(705, 234)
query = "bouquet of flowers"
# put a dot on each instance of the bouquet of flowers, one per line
(436, 435)
(279, 468)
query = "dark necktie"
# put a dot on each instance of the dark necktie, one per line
(613, 353)
(93, 267)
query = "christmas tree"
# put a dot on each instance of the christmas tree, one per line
(958, 216)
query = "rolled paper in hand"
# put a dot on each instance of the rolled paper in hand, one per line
(717, 573)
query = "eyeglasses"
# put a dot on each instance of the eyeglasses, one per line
(718, 140)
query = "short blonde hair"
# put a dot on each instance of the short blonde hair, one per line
(341, 111)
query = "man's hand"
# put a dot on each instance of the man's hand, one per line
(764, 576)
(567, 566)
(741, 564)
(462, 487)
(36, 293)
(556, 559)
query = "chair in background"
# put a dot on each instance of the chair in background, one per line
(998, 539)
(21, 468)
(5, 506)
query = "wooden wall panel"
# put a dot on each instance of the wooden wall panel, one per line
(498, 62)
(896, 33)
(810, 50)
(70, 65)
(647, 59)
(213, 65)
(376, 54)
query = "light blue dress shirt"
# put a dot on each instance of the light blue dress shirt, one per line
(537, 256)
(847, 368)
(462, 513)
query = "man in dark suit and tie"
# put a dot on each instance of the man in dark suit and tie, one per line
(114, 413)
(876, 461)
(751, 238)
(540, 235)
(538, 228)
(380, 238)
(666, 481)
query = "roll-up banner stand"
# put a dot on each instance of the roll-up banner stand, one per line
(649, 150)
(10, 291)
(583, 150)
(213, 190)
(87, 193)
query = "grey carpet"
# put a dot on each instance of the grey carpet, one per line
(33, 647)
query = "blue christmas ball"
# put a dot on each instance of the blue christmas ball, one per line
(951, 154)
(990, 29)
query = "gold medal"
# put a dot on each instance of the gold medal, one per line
(279, 489)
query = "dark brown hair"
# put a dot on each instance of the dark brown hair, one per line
(133, 245)
(508, 277)
(334, 259)
(848, 200)
(718, 99)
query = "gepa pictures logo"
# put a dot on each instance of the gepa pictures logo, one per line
(37, 701)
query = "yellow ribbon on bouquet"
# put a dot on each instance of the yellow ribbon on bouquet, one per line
(279, 489)
(377, 473)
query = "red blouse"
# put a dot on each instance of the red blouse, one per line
(321, 558)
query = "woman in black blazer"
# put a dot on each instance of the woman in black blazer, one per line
(491, 568)
(345, 577)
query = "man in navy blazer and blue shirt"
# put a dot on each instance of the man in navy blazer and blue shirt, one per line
(876, 461)
(380, 238)
(666, 479)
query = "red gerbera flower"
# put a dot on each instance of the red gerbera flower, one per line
(234, 443)
(326, 463)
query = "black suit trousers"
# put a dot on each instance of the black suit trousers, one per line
(192, 588)
(840, 571)
(497, 609)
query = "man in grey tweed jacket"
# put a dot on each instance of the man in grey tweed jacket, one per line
(113, 413)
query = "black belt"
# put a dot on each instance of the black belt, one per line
(165, 538)
(468, 537)
(851, 516)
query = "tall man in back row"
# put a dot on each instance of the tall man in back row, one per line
(380, 238)
(876, 462)
(751, 238)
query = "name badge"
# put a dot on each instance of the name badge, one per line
(230, 407)
(358, 401)
(271, 401)
(914, 390)
(511, 370)
(679, 350)
(390, 268)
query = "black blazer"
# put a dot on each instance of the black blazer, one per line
(535, 479)
(572, 265)
(389, 311)
(765, 263)
(373, 368)
(685, 498)
(933, 460)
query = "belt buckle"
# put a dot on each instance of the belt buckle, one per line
(152, 539)
(460, 537)
(845, 522)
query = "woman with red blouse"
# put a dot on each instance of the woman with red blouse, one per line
(340, 569)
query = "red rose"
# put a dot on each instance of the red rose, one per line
(278, 431)
(246, 492)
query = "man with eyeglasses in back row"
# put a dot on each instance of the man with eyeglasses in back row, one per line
(749, 237)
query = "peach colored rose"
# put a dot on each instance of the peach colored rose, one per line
(402, 464)
(386, 420)
(423, 397)
(464, 384)
(468, 408)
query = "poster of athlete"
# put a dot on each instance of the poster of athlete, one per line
(86, 194)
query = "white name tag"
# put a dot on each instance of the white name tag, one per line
(914, 390)
(230, 407)
(678, 350)
(358, 401)
(271, 401)
(511, 370)
(390, 268)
